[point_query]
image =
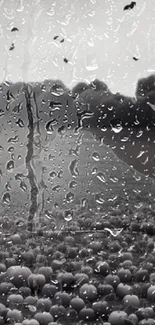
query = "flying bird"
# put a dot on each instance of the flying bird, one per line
(134, 58)
(12, 47)
(55, 37)
(62, 40)
(130, 6)
(65, 60)
(14, 29)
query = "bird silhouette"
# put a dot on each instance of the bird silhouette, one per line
(55, 37)
(12, 47)
(130, 6)
(65, 60)
(14, 29)
(135, 59)
(62, 40)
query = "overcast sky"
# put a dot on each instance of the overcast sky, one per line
(100, 41)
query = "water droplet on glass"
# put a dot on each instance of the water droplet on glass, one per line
(139, 134)
(49, 127)
(124, 139)
(6, 198)
(57, 90)
(68, 215)
(99, 199)
(96, 156)
(48, 215)
(10, 149)
(60, 174)
(10, 166)
(83, 202)
(94, 171)
(69, 197)
(18, 177)
(23, 186)
(73, 168)
(91, 62)
(56, 188)
(114, 232)
(2, 112)
(53, 174)
(140, 154)
(116, 126)
(101, 177)
(8, 186)
(114, 179)
(103, 128)
(73, 184)
(20, 123)
(14, 139)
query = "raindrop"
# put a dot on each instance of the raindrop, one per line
(53, 174)
(6, 198)
(10, 149)
(56, 188)
(140, 133)
(32, 308)
(1, 148)
(114, 179)
(54, 109)
(49, 127)
(73, 184)
(137, 178)
(14, 139)
(91, 63)
(57, 90)
(68, 215)
(69, 197)
(99, 199)
(20, 123)
(124, 139)
(48, 215)
(103, 128)
(114, 232)
(73, 168)
(62, 130)
(43, 88)
(140, 154)
(96, 156)
(10, 166)
(18, 177)
(94, 171)
(23, 186)
(8, 186)
(1, 112)
(60, 174)
(101, 177)
(116, 125)
(83, 202)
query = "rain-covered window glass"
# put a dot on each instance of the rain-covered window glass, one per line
(77, 162)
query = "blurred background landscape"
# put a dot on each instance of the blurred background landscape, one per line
(76, 148)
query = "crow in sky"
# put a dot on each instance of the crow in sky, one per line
(65, 60)
(134, 58)
(14, 29)
(131, 6)
(62, 40)
(12, 47)
(55, 37)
